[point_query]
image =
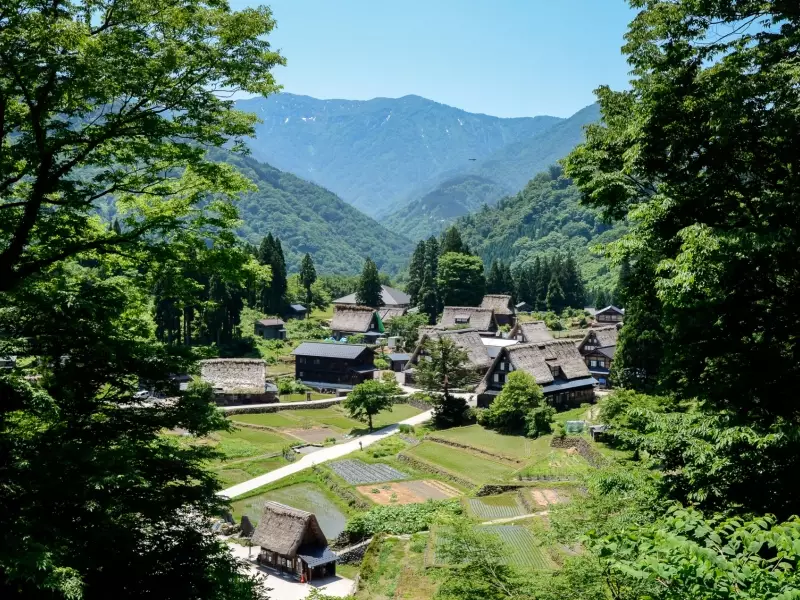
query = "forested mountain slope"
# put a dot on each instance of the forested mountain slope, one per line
(484, 182)
(545, 217)
(375, 152)
(309, 218)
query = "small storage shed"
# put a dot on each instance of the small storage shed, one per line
(271, 329)
(398, 361)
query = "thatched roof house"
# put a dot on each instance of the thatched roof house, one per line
(293, 541)
(556, 365)
(350, 320)
(534, 331)
(479, 319)
(598, 347)
(388, 313)
(469, 340)
(499, 303)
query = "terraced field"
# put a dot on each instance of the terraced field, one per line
(334, 417)
(514, 446)
(496, 507)
(524, 549)
(471, 466)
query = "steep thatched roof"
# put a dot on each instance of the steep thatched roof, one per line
(481, 319)
(389, 313)
(468, 340)
(538, 360)
(534, 331)
(356, 319)
(499, 303)
(605, 336)
(284, 529)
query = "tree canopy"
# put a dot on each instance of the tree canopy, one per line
(460, 279)
(369, 291)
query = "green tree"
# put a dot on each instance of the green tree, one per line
(451, 242)
(508, 283)
(539, 421)
(442, 369)
(460, 279)
(520, 395)
(109, 107)
(416, 272)
(704, 105)
(308, 276)
(555, 300)
(407, 328)
(494, 281)
(369, 291)
(572, 283)
(369, 398)
(429, 298)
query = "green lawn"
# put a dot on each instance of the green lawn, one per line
(556, 461)
(334, 417)
(461, 462)
(515, 446)
(574, 414)
(245, 442)
(233, 472)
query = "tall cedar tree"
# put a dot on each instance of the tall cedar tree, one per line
(444, 368)
(308, 275)
(416, 272)
(112, 99)
(452, 242)
(556, 300)
(494, 281)
(460, 280)
(509, 284)
(369, 291)
(429, 302)
(273, 296)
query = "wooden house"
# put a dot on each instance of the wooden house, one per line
(296, 311)
(356, 320)
(597, 348)
(607, 315)
(533, 331)
(468, 340)
(556, 365)
(398, 361)
(502, 307)
(271, 329)
(292, 541)
(468, 317)
(390, 298)
(333, 366)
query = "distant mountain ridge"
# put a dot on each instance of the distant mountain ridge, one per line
(309, 218)
(502, 173)
(374, 153)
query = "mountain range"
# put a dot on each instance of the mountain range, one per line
(309, 218)
(375, 153)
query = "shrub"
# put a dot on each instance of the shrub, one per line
(539, 421)
(290, 386)
(400, 519)
(381, 363)
(404, 428)
(560, 432)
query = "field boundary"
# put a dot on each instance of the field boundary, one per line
(446, 442)
(589, 454)
(279, 406)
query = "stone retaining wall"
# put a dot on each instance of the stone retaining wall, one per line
(279, 406)
(353, 555)
(439, 440)
(592, 456)
(429, 468)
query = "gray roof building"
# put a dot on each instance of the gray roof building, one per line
(391, 297)
(330, 350)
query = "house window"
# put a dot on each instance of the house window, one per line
(497, 378)
(462, 320)
(593, 363)
(554, 371)
(316, 361)
(301, 374)
(301, 360)
(502, 366)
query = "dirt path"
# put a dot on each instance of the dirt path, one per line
(542, 513)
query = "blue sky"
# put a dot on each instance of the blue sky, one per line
(508, 58)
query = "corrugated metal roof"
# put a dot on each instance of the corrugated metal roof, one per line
(329, 350)
(315, 556)
(568, 385)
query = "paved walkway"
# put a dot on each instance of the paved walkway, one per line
(283, 587)
(518, 518)
(324, 455)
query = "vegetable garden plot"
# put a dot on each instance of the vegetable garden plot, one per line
(357, 472)
(496, 507)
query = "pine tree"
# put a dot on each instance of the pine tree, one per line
(572, 283)
(369, 291)
(508, 286)
(451, 242)
(494, 282)
(279, 284)
(540, 277)
(308, 275)
(555, 300)
(416, 271)
(429, 302)
(601, 299)
(444, 369)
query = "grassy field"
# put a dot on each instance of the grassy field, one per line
(515, 446)
(524, 550)
(233, 472)
(245, 442)
(461, 462)
(393, 569)
(556, 462)
(302, 397)
(575, 414)
(334, 417)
